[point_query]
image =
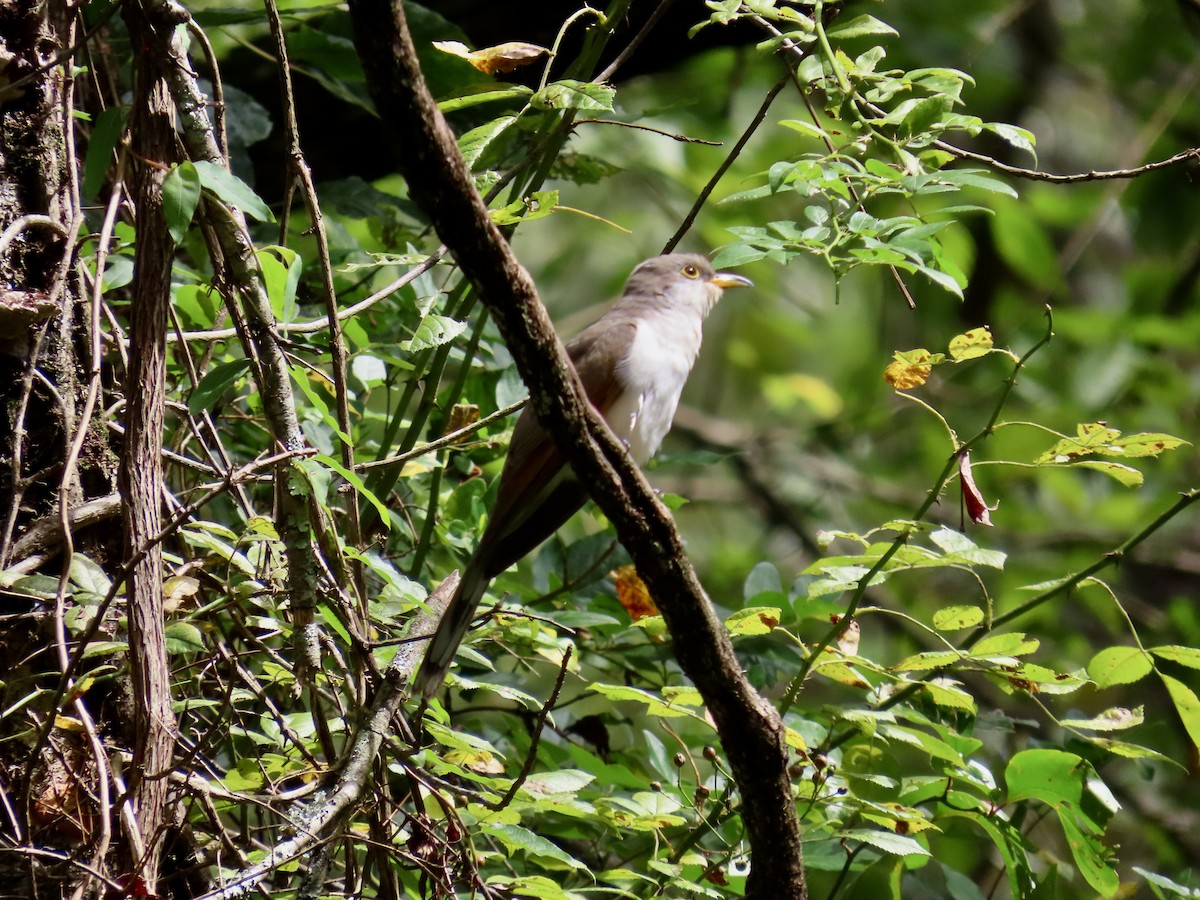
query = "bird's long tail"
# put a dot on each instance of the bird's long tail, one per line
(450, 631)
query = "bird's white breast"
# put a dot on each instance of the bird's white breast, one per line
(652, 374)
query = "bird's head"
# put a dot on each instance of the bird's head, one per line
(686, 279)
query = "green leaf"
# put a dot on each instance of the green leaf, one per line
(806, 128)
(1127, 750)
(1150, 444)
(1119, 665)
(433, 331)
(473, 144)
(560, 781)
(330, 618)
(537, 205)
(183, 637)
(1116, 718)
(246, 776)
(655, 706)
(930, 659)
(118, 272)
(1187, 705)
(922, 740)
(195, 302)
(887, 841)
(924, 114)
(359, 486)
(106, 132)
(514, 837)
(763, 579)
(459, 740)
(87, 575)
(1020, 138)
(484, 93)
(571, 94)
(281, 268)
(214, 384)
(946, 282)
(1185, 656)
(977, 178)
(971, 344)
(368, 369)
(232, 190)
(1068, 784)
(534, 886)
(1004, 645)
(1129, 477)
(953, 618)
(181, 195)
(732, 255)
(1049, 776)
(950, 697)
(1172, 888)
(1092, 857)
(859, 26)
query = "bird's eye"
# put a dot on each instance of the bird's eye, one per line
(690, 271)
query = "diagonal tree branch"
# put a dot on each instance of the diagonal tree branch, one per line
(440, 183)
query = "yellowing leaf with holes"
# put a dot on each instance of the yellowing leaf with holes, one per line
(1118, 718)
(754, 620)
(973, 343)
(911, 368)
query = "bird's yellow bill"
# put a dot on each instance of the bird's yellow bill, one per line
(726, 280)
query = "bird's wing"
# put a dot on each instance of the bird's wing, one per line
(536, 495)
(593, 354)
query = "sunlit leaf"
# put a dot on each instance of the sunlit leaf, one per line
(228, 187)
(570, 94)
(1119, 665)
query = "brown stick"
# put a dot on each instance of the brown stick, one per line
(439, 182)
(152, 732)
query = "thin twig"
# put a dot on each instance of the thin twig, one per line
(452, 437)
(538, 728)
(313, 326)
(707, 190)
(631, 47)
(672, 135)
(1192, 153)
(844, 621)
(337, 342)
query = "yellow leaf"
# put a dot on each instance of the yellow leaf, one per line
(491, 60)
(911, 368)
(976, 342)
(632, 593)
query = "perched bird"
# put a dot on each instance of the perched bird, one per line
(633, 363)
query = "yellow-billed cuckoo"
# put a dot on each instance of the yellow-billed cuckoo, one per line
(633, 363)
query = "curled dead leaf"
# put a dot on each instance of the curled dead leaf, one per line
(848, 640)
(493, 60)
(977, 507)
(461, 415)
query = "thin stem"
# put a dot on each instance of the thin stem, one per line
(943, 478)
(707, 190)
